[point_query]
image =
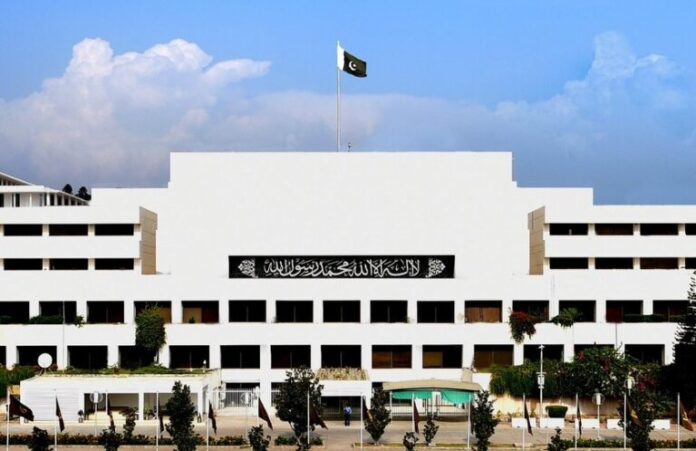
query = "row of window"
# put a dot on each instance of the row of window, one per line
(68, 264)
(620, 229)
(621, 263)
(332, 356)
(246, 311)
(68, 229)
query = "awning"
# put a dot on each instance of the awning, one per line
(456, 392)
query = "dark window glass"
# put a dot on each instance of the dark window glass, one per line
(134, 357)
(435, 311)
(341, 356)
(391, 356)
(87, 357)
(103, 312)
(240, 356)
(15, 312)
(67, 229)
(247, 311)
(23, 229)
(113, 264)
(3, 350)
(341, 311)
(551, 352)
(568, 229)
(205, 312)
(290, 356)
(586, 308)
(442, 356)
(659, 229)
(113, 229)
(613, 229)
(29, 355)
(659, 263)
(483, 311)
(23, 264)
(568, 263)
(487, 356)
(189, 357)
(646, 353)
(388, 311)
(690, 263)
(67, 264)
(66, 309)
(690, 229)
(582, 348)
(617, 310)
(165, 308)
(670, 311)
(294, 311)
(613, 263)
(538, 310)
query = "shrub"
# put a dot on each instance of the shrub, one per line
(257, 440)
(53, 319)
(567, 317)
(410, 441)
(181, 412)
(150, 333)
(430, 429)
(110, 439)
(39, 440)
(556, 411)
(229, 440)
(521, 324)
(129, 425)
(557, 444)
(483, 420)
(285, 439)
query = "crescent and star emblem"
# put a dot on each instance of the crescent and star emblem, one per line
(352, 66)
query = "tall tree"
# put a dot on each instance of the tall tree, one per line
(681, 374)
(181, 412)
(291, 404)
(150, 333)
(484, 421)
(378, 416)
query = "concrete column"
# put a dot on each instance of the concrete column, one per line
(669, 355)
(315, 356)
(636, 262)
(271, 312)
(507, 309)
(590, 229)
(112, 355)
(177, 311)
(648, 306)
(417, 357)
(164, 356)
(90, 264)
(568, 352)
(518, 354)
(141, 406)
(459, 312)
(468, 357)
(265, 359)
(90, 229)
(214, 356)
(224, 309)
(128, 311)
(318, 311)
(681, 229)
(81, 308)
(591, 263)
(62, 355)
(11, 355)
(265, 394)
(554, 308)
(412, 310)
(366, 356)
(364, 311)
(636, 229)
(601, 310)
(681, 264)
(44, 230)
(45, 264)
(34, 308)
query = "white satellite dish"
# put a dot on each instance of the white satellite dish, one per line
(45, 360)
(96, 397)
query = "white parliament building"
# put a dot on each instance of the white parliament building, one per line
(404, 265)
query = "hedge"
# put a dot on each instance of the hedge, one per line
(659, 444)
(89, 439)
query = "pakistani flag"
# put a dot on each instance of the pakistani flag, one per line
(349, 63)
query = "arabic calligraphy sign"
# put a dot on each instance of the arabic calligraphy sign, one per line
(342, 267)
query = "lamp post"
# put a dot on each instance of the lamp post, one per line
(598, 399)
(540, 381)
(629, 385)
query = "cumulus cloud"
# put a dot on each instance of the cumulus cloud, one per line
(627, 128)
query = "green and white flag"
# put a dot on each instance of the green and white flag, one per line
(349, 63)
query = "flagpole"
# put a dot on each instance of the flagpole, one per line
(624, 420)
(413, 412)
(55, 424)
(207, 430)
(157, 423)
(678, 420)
(361, 421)
(308, 420)
(524, 405)
(338, 104)
(7, 436)
(468, 424)
(577, 425)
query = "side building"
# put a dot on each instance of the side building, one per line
(404, 265)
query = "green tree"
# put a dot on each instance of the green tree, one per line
(181, 413)
(257, 440)
(410, 441)
(110, 439)
(39, 440)
(644, 401)
(430, 429)
(150, 334)
(484, 422)
(556, 443)
(567, 317)
(601, 369)
(681, 377)
(379, 416)
(129, 425)
(291, 404)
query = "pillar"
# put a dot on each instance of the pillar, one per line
(141, 406)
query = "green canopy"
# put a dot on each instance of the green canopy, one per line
(453, 396)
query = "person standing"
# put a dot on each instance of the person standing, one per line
(347, 411)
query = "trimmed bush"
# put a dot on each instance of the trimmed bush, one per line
(556, 411)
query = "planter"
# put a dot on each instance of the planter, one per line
(661, 425)
(521, 423)
(613, 423)
(552, 423)
(588, 423)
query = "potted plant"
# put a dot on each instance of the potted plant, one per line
(80, 416)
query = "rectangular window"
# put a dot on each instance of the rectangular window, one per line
(63, 309)
(659, 263)
(29, 355)
(67, 264)
(87, 357)
(483, 311)
(240, 357)
(614, 263)
(290, 356)
(23, 264)
(670, 311)
(294, 311)
(538, 310)
(613, 229)
(341, 356)
(532, 353)
(15, 312)
(67, 229)
(3, 349)
(247, 311)
(113, 229)
(388, 311)
(442, 356)
(436, 311)
(104, 312)
(618, 310)
(568, 229)
(189, 357)
(690, 229)
(659, 229)
(23, 229)
(690, 263)
(165, 308)
(391, 356)
(341, 311)
(487, 356)
(646, 353)
(585, 308)
(131, 357)
(114, 264)
(568, 263)
(205, 312)
(582, 348)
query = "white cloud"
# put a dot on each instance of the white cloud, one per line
(115, 118)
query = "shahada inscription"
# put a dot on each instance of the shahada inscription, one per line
(343, 267)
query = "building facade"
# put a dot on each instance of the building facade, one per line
(406, 265)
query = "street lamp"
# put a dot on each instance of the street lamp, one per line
(540, 382)
(630, 381)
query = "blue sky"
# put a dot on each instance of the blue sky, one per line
(583, 93)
